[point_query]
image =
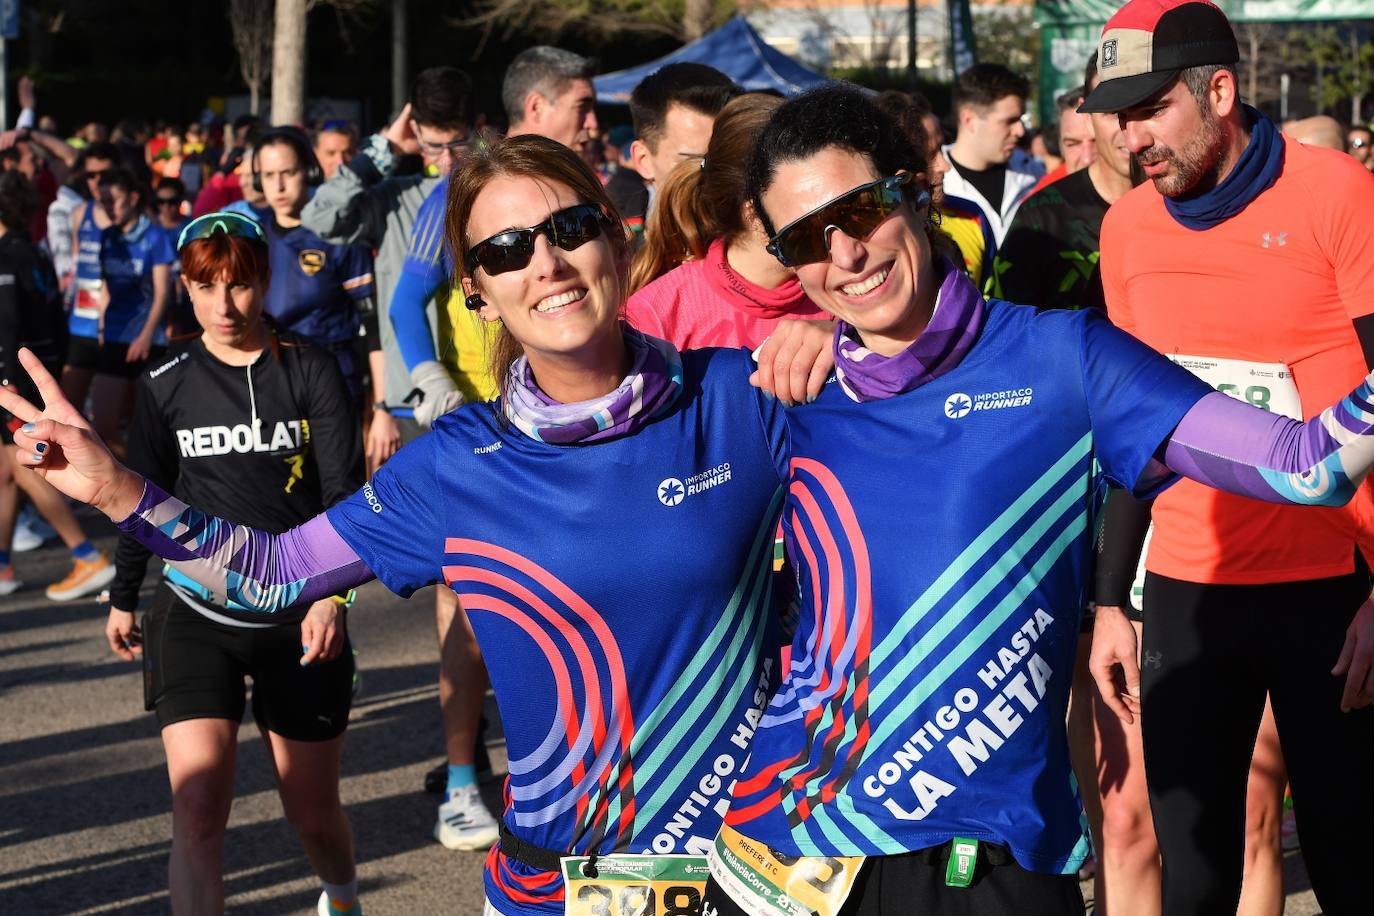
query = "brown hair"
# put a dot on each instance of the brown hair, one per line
(523, 156)
(220, 254)
(701, 200)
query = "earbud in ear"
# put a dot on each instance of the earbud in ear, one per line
(474, 301)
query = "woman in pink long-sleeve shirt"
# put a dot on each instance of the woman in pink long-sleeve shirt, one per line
(704, 278)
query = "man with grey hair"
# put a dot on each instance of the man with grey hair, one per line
(548, 91)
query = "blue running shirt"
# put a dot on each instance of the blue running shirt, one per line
(621, 594)
(84, 320)
(127, 260)
(942, 540)
(316, 286)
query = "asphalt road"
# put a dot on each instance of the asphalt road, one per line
(85, 812)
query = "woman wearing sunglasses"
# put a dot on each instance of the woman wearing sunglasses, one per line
(255, 425)
(607, 525)
(940, 516)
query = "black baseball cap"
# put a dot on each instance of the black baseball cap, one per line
(1148, 43)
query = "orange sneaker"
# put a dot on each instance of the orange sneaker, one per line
(8, 583)
(86, 577)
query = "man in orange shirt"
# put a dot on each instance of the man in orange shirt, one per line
(1250, 259)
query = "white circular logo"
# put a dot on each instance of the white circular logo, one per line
(671, 492)
(957, 405)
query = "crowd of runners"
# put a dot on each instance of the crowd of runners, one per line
(855, 508)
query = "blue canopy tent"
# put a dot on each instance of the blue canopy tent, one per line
(736, 50)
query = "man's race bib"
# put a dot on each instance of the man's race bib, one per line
(629, 885)
(1268, 386)
(763, 882)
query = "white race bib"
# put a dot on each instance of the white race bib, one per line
(1268, 386)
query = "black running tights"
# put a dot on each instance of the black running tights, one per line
(1210, 655)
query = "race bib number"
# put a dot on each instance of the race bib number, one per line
(1268, 386)
(87, 304)
(628, 885)
(763, 882)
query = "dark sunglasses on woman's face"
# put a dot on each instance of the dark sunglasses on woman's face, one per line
(569, 228)
(168, 201)
(857, 213)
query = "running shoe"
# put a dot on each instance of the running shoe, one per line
(324, 909)
(25, 538)
(86, 577)
(464, 821)
(9, 584)
(31, 530)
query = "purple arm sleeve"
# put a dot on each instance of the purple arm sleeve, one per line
(1238, 448)
(258, 571)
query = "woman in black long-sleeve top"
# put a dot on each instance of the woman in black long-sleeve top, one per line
(258, 424)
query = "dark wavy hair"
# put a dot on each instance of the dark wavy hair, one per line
(833, 115)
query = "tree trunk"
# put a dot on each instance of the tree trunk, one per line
(696, 19)
(253, 98)
(288, 63)
(399, 64)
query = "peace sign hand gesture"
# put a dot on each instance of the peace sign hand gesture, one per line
(59, 445)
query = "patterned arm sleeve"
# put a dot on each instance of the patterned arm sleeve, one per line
(1241, 449)
(258, 571)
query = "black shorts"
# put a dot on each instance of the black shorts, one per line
(106, 358)
(82, 352)
(194, 668)
(914, 882)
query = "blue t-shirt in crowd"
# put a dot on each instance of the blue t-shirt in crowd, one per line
(621, 594)
(947, 534)
(84, 320)
(127, 260)
(316, 286)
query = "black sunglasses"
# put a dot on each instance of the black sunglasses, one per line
(164, 201)
(568, 228)
(857, 213)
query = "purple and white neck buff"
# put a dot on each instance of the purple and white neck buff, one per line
(649, 390)
(954, 327)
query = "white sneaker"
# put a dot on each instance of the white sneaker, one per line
(464, 821)
(322, 908)
(31, 531)
(25, 538)
(9, 584)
